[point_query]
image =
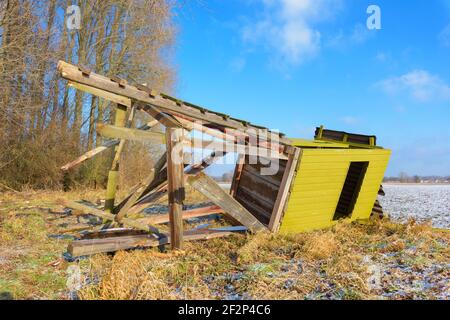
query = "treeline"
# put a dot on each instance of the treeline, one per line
(405, 178)
(43, 122)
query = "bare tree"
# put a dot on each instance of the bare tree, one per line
(39, 115)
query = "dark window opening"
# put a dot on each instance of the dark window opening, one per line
(350, 190)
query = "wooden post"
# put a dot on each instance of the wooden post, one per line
(119, 121)
(175, 179)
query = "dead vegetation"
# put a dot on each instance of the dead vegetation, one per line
(411, 261)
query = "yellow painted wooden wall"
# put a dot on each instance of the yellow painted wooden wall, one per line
(318, 185)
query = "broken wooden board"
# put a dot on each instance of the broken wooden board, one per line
(108, 216)
(92, 246)
(100, 149)
(210, 189)
(187, 214)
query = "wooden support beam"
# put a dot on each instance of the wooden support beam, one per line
(115, 132)
(92, 246)
(175, 179)
(209, 188)
(283, 192)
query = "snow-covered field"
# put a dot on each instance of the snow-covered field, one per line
(421, 202)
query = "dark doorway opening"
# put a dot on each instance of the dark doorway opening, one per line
(350, 190)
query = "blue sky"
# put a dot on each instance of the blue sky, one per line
(292, 65)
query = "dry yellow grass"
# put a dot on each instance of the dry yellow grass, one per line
(334, 263)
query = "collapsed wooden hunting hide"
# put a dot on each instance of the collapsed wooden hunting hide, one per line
(279, 184)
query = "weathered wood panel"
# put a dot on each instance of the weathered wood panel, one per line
(258, 193)
(216, 194)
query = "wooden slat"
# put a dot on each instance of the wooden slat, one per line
(265, 190)
(250, 170)
(282, 198)
(247, 195)
(237, 174)
(209, 188)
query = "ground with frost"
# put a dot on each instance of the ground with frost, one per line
(383, 260)
(418, 201)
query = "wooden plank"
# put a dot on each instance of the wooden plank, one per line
(114, 232)
(256, 174)
(165, 103)
(92, 246)
(175, 183)
(209, 188)
(261, 187)
(247, 195)
(101, 93)
(237, 174)
(258, 212)
(187, 214)
(107, 216)
(164, 119)
(285, 187)
(89, 155)
(114, 132)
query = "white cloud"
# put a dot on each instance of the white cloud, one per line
(444, 36)
(289, 28)
(345, 39)
(350, 120)
(420, 85)
(238, 64)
